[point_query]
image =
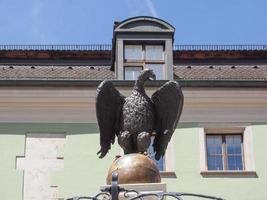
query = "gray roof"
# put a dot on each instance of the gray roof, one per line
(52, 72)
(84, 72)
(221, 72)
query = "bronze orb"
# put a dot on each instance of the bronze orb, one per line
(134, 168)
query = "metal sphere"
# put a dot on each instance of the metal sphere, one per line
(134, 168)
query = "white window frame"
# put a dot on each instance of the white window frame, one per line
(248, 155)
(169, 171)
(143, 62)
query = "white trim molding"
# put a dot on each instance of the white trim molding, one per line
(169, 171)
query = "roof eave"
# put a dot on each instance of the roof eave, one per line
(118, 83)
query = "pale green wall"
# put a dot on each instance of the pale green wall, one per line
(189, 179)
(83, 172)
(11, 145)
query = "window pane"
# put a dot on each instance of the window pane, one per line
(154, 52)
(235, 163)
(214, 144)
(160, 163)
(239, 163)
(133, 52)
(131, 73)
(214, 152)
(215, 163)
(157, 69)
(234, 144)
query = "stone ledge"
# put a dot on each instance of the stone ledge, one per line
(229, 174)
(168, 174)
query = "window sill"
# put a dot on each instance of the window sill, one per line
(229, 174)
(168, 174)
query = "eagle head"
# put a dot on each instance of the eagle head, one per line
(146, 74)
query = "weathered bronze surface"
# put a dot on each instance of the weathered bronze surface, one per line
(134, 168)
(135, 118)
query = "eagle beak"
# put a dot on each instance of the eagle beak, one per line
(152, 78)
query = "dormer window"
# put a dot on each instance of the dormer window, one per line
(138, 57)
(140, 43)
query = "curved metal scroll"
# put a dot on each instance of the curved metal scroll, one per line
(112, 193)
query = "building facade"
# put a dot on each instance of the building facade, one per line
(48, 131)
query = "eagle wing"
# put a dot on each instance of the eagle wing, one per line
(109, 104)
(168, 101)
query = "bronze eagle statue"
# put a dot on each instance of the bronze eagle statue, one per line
(136, 118)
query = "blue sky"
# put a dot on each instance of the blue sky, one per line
(91, 21)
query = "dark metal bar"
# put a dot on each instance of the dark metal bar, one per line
(86, 47)
(115, 189)
(139, 196)
(220, 47)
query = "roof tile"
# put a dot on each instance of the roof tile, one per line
(221, 72)
(80, 72)
(50, 72)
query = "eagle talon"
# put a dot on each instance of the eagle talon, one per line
(102, 153)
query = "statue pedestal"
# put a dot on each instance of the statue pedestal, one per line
(142, 188)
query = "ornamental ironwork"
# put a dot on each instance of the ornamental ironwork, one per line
(114, 191)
